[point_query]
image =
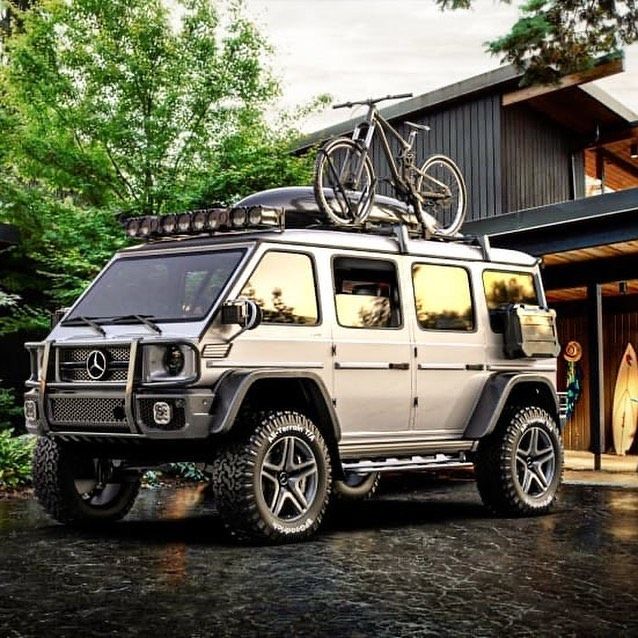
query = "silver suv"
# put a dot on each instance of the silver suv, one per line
(296, 362)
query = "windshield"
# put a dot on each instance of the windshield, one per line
(178, 287)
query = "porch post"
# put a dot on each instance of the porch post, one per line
(596, 389)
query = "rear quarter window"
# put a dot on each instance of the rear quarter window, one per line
(504, 287)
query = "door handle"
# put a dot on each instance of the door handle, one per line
(399, 366)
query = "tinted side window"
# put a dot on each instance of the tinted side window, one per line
(283, 284)
(366, 293)
(442, 297)
(503, 288)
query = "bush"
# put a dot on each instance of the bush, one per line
(15, 459)
(9, 410)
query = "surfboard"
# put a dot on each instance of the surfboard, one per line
(625, 405)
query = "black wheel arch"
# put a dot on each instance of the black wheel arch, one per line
(270, 389)
(503, 390)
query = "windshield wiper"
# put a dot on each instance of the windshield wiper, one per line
(89, 321)
(145, 319)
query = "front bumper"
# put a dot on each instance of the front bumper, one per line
(121, 408)
(99, 414)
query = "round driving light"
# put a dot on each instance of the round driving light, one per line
(199, 221)
(174, 360)
(238, 217)
(184, 223)
(133, 227)
(213, 219)
(254, 216)
(168, 224)
(148, 226)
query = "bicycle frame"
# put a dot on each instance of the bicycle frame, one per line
(401, 180)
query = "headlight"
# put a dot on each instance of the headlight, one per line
(169, 363)
(174, 360)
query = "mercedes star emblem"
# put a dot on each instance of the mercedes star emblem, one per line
(96, 364)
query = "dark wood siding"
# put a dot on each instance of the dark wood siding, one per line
(469, 133)
(620, 320)
(537, 160)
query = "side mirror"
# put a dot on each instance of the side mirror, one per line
(245, 313)
(57, 316)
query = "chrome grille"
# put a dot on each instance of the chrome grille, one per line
(87, 411)
(72, 363)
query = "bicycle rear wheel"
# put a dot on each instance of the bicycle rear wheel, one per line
(443, 195)
(344, 182)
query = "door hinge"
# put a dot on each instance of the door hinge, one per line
(416, 402)
(334, 350)
(416, 352)
(334, 402)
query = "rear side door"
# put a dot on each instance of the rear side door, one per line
(450, 347)
(371, 350)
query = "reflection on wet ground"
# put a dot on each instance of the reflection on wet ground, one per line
(423, 558)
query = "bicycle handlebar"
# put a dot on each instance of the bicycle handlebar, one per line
(371, 101)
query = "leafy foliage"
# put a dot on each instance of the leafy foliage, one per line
(15, 459)
(116, 104)
(553, 38)
(109, 107)
(8, 409)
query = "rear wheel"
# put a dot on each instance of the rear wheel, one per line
(443, 195)
(344, 182)
(357, 487)
(74, 489)
(275, 485)
(519, 466)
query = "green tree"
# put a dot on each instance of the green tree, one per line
(553, 38)
(125, 106)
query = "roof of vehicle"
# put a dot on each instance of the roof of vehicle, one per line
(305, 226)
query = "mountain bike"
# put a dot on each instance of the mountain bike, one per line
(345, 181)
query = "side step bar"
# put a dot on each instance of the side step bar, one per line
(434, 462)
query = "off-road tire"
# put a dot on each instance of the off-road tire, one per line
(54, 472)
(498, 469)
(346, 492)
(237, 481)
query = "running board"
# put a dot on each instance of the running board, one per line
(435, 462)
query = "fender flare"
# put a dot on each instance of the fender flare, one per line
(495, 396)
(232, 388)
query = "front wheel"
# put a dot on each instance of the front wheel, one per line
(79, 490)
(275, 485)
(519, 466)
(442, 195)
(344, 182)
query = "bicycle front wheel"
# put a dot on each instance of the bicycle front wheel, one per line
(442, 194)
(344, 182)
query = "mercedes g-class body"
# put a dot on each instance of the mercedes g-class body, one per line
(296, 362)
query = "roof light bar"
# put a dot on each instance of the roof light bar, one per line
(205, 221)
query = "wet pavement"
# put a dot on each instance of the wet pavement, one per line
(423, 558)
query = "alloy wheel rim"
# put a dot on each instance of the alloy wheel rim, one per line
(535, 462)
(289, 478)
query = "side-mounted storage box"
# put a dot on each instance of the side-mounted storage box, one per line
(529, 332)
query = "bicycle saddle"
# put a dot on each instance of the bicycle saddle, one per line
(421, 127)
